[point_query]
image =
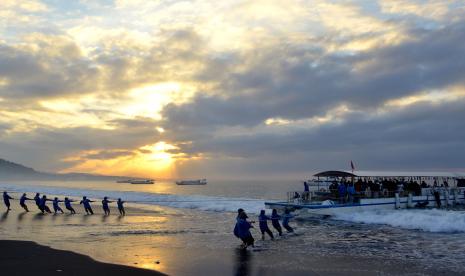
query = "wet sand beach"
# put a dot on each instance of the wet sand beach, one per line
(26, 258)
(191, 242)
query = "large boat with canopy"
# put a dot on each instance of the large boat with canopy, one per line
(333, 192)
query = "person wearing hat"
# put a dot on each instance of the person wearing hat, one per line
(244, 231)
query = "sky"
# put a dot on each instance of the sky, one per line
(232, 89)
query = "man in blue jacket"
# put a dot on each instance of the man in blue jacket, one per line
(22, 202)
(43, 205)
(121, 210)
(68, 205)
(106, 208)
(262, 220)
(86, 202)
(6, 200)
(56, 207)
(37, 201)
(244, 230)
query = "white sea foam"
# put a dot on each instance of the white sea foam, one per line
(200, 202)
(432, 220)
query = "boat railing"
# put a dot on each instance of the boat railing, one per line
(304, 197)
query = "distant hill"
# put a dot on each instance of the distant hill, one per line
(14, 171)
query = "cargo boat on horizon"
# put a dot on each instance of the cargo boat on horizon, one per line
(192, 182)
(137, 181)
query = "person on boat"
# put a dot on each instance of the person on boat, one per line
(22, 202)
(262, 220)
(120, 203)
(275, 221)
(43, 205)
(56, 207)
(286, 218)
(68, 205)
(351, 192)
(6, 200)
(243, 227)
(106, 208)
(333, 189)
(342, 192)
(446, 184)
(306, 194)
(423, 184)
(86, 202)
(437, 197)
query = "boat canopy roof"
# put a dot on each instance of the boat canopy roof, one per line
(389, 174)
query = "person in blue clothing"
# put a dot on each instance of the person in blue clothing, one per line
(236, 227)
(286, 217)
(106, 208)
(37, 200)
(342, 192)
(262, 220)
(86, 202)
(6, 200)
(351, 193)
(56, 207)
(22, 202)
(275, 221)
(306, 194)
(43, 205)
(68, 205)
(244, 231)
(121, 210)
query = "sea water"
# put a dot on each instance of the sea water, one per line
(201, 218)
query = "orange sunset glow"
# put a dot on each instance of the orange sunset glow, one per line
(168, 89)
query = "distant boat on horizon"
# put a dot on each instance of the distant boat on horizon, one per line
(137, 181)
(192, 182)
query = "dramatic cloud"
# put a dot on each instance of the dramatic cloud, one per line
(219, 89)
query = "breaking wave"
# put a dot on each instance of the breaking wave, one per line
(199, 202)
(432, 220)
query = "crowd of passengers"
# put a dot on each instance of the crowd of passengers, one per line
(345, 191)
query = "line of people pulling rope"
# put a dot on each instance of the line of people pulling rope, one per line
(41, 202)
(243, 226)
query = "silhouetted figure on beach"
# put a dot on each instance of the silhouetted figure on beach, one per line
(121, 207)
(37, 201)
(286, 217)
(86, 202)
(275, 221)
(43, 205)
(106, 208)
(68, 205)
(56, 207)
(22, 202)
(262, 220)
(244, 230)
(6, 200)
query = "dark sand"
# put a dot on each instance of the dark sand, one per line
(29, 258)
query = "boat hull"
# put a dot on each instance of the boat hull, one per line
(365, 205)
(192, 182)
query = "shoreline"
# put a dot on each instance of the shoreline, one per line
(19, 257)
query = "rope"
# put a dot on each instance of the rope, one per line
(164, 201)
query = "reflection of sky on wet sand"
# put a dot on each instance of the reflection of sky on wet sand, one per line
(192, 242)
(147, 239)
